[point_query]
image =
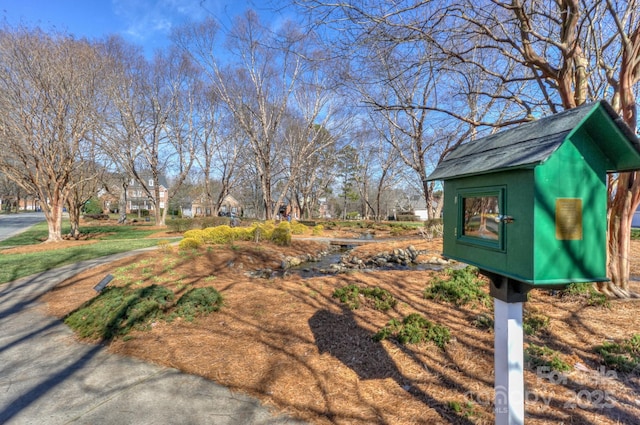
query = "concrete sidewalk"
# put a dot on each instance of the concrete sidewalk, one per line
(47, 377)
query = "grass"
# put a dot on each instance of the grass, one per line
(39, 233)
(623, 356)
(536, 356)
(350, 295)
(460, 288)
(110, 240)
(414, 329)
(15, 266)
(117, 310)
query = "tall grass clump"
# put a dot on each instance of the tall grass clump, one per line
(461, 287)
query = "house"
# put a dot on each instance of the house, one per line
(229, 206)
(137, 198)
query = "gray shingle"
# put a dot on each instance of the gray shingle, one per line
(520, 147)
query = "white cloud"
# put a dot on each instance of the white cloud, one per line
(146, 19)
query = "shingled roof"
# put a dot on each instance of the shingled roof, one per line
(530, 144)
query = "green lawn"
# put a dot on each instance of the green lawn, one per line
(114, 239)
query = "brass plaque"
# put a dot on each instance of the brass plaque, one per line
(568, 219)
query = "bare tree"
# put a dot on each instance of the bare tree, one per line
(49, 111)
(277, 78)
(531, 56)
(151, 128)
(569, 52)
(314, 183)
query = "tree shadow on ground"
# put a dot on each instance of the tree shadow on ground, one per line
(340, 335)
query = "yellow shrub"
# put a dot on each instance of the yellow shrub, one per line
(281, 235)
(317, 230)
(242, 233)
(189, 243)
(195, 234)
(164, 245)
(262, 232)
(218, 235)
(298, 228)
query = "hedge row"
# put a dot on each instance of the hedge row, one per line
(279, 234)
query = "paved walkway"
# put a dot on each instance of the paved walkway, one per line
(48, 377)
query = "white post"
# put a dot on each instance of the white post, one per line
(508, 363)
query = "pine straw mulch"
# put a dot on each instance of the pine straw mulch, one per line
(289, 343)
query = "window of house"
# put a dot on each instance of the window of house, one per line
(150, 183)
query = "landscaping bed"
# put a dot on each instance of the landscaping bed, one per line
(292, 343)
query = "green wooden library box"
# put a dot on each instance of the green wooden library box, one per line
(529, 204)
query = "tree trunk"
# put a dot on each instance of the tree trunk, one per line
(74, 219)
(54, 220)
(621, 210)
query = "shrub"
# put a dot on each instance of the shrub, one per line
(407, 217)
(298, 229)
(317, 229)
(117, 310)
(413, 329)
(242, 233)
(259, 233)
(164, 245)
(189, 243)
(93, 207)
(218, 235)
(281, 235)
(534, 322)
(196, 234)
(433, 229)
(462, 287)
(179, 224)
(350, 295)
(536, 356)
(623, 356)
(197, 302)
(97, 216)
(206, 222)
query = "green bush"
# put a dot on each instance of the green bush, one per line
(623, 356)
(462, 287)
(92, 206)
(179, 224)
(117, 310)
(205, 222)
(414, 329)
(407, 217)
(197, 302)
(350, 295)
(189, 243)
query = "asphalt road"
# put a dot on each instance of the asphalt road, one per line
(12, 224)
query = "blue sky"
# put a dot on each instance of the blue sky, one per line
(144, 22)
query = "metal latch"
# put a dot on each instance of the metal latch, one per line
(504, 219)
